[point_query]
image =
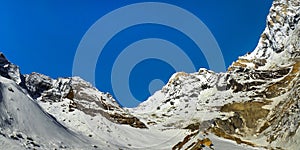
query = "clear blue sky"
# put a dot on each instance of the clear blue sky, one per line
(43, 35)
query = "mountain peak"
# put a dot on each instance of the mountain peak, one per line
(279, 43)
(9, 70)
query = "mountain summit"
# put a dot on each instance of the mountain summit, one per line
(254, 105)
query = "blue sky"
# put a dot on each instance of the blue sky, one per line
(43, 35)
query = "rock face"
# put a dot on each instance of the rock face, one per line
(279, 50)
(9, 70)
(280, 37)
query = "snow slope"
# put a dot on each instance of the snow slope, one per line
(23, 120)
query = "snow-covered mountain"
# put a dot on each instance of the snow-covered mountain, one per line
(256, 102)
(38, 112)
(254, 105)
